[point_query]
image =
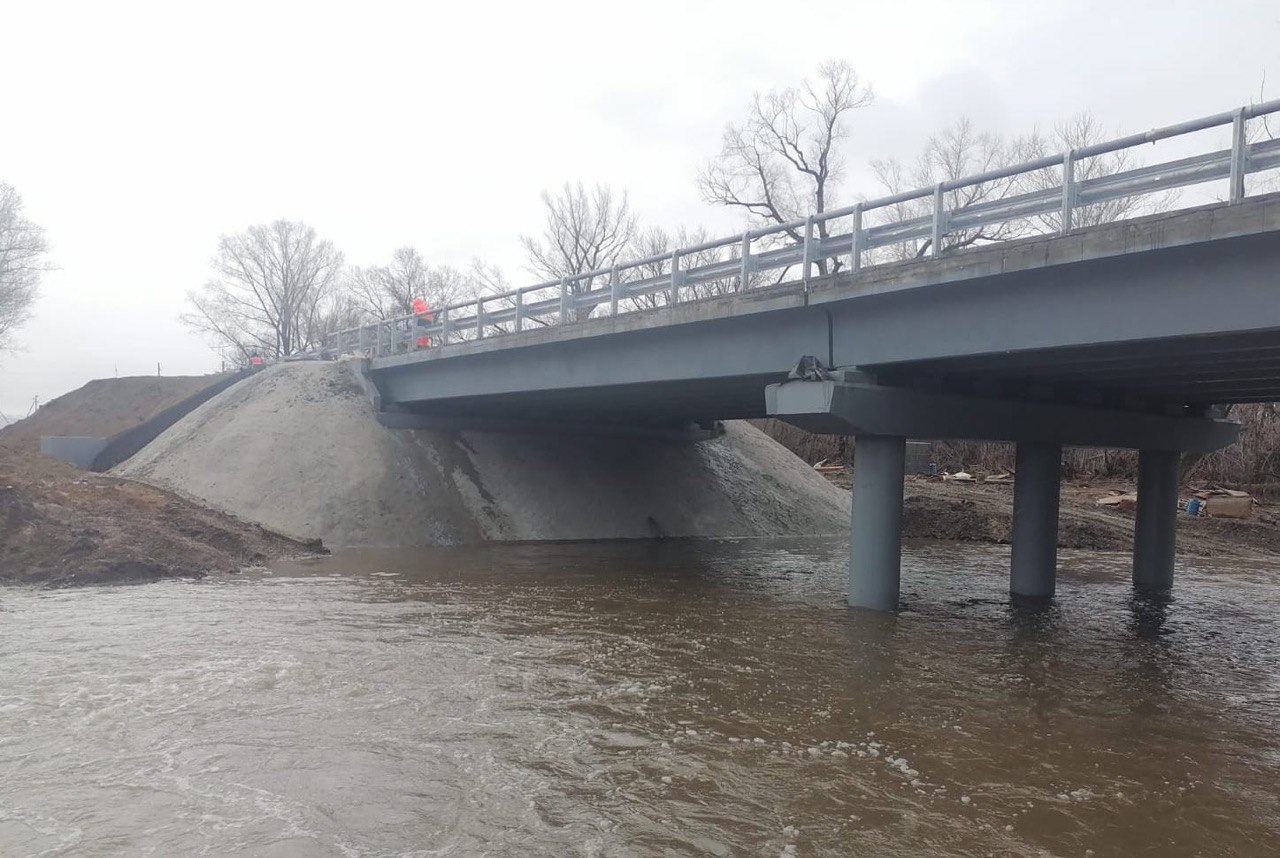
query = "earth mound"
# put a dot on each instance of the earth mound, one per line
(60, 526)
(297, 449)
(105, 406)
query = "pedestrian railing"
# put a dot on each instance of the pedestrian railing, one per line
(738, 263)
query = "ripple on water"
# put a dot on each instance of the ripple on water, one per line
(641, 698)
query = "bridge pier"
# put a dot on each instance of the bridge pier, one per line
(1037, 485)
(881, 417)
(1155, 525)
(875, 557)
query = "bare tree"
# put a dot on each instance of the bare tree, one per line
(275, 289)
(656, 241)
(1075, 133)
(387, 291)
(1264, 128)
(585, 231)
(783, 162)
(954, 153)
(339, 311)
(22, 261)
(486, 278)
(961, 151)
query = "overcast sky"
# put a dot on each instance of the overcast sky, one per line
(138, 133)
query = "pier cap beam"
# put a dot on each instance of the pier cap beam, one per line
(842, 407)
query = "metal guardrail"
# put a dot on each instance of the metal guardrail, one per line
(802, 242)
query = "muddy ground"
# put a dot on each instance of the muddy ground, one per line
(60, 526)
(983, 512)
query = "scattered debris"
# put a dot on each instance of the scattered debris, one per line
(824, 468)
(1124, 501)
(1226, 503)
(959, 476)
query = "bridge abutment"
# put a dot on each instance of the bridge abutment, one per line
(1156, 523)
(1036, 489)
(875, 556)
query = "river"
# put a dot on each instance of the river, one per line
(643, 698)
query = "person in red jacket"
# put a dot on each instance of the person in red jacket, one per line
(423, 312)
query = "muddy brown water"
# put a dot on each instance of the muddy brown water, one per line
(644, 698)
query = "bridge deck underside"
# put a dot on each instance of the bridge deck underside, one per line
(670, 403)
(1186, 370)
(1157, 374)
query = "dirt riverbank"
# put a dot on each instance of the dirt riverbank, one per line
(983, 512)
(60, 526)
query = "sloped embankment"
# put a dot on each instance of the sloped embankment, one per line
(106, 407)
(61, 526)
(297, 449)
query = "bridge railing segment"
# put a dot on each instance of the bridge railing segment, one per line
(838, 240)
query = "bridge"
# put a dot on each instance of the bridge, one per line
(1124, 334)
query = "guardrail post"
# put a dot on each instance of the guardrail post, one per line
(808, 250)
(939, 220)
(1068, 189)
(855, 243)
(479, 318)
(444, 326)
(745, 264)
(677, 277)
(519, 310)
(564, 300)
(1239, 156)
(615, 290)
(377, 340)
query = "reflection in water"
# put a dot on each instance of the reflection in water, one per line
(644, 698)
(1150, 612)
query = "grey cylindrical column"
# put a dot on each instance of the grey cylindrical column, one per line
(875, 558)
(1157, 520)
(1037, 483)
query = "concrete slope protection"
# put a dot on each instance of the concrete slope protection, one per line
(124, 444)
(297, 448)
